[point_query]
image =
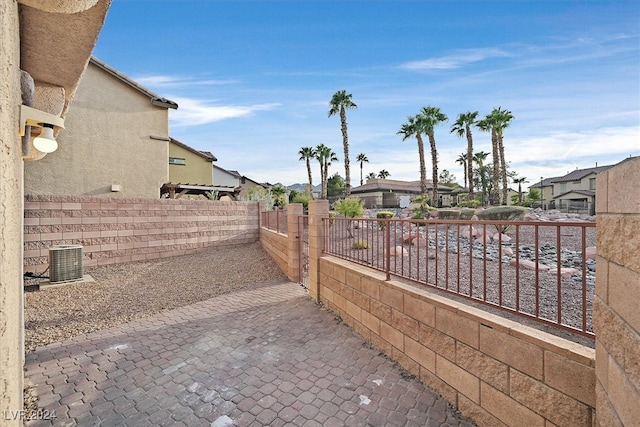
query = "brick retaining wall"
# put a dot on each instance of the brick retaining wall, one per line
(115, 230)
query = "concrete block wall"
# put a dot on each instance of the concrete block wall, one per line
(115, 230)
(617, 299)
(496, 371)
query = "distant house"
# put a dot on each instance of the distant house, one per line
(232, 178)
(115, 141)
(573, 192)
(389, 193)
(191, 174)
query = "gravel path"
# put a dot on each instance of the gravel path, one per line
(123, 292)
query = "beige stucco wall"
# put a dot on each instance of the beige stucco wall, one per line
(107, 140)
(11, 317)
(197, 170)
(616, 313)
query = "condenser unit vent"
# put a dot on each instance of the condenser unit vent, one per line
(65, 263)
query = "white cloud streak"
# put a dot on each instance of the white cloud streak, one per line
(193, 112)
(458, 59)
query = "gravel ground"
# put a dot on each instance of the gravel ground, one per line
(124, 292)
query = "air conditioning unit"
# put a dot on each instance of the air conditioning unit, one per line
(65, 263)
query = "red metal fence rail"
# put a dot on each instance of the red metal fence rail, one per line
(539, 270)
(274, 220)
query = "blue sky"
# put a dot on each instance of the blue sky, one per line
(253, 79)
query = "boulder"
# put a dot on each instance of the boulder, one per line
(591, 252)
(528, 265)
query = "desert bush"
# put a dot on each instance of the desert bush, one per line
(351, 207)
(502, 213)
(448, 214)
(467, 214)
(360, 244)
(474, 203)
(384, 215)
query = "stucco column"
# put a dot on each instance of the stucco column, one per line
(318, 209)
(615, 309)
(294, 211)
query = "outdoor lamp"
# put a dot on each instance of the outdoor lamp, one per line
(45, 142)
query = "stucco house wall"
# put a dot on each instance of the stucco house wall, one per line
(114, 136)
(197, 167)
(37, 47)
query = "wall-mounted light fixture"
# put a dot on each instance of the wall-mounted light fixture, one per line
(45, 142)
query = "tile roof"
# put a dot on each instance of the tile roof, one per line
(206, 154)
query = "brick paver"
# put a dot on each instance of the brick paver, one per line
(268, 356)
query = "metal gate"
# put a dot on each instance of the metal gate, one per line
(303, 250)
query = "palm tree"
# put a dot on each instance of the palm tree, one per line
(502, 121)
(479, 159)
(306, 154)
(487, 125)
(520, 181)
(340, 102)
(407, 130)
(362, 158)
(383, 174)
(428, 118)
(462, 127)
(325, 156)
(371, 175)
(462, 160)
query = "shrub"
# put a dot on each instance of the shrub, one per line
(360, 244)
(502, 213)
(384, 215)
(350, 207)
(448, 214)
(302, 198)
(467, 213)
(474, 203)
(332, 216)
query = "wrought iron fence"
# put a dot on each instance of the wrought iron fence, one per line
(539, 270)
(274, 220)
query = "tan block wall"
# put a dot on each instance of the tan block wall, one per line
(114, 230)
(616, 314)
(496, 371)
(284, 248)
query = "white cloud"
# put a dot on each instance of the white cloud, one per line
(163, 81)
(193, 112)
(457, 59)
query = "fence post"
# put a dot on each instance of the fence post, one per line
(294, 211)
(318, 209)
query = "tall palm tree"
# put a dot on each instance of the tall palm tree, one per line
(340, 102)
(487, 124)
(520, 181)
(306, 154)
(325, 155)
(479, 159)
(462, 160)
(462, 127)
(362, 158)
(407, 130)
(383, 174)
(502, 121)
(428, 118)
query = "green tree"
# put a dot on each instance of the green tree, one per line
(279, 194)
(408, 130)
(496, 122)
(325, 155)
(340, 102)
(362, 158)
(428, 118)
(462, 160)
(520, 181)
(462, 127)
(306, 154)
(372, 175)
(446, 177)
(482, 175)
(383, 174)
(335, 185)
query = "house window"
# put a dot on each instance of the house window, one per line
(176, 161)
(592, 183)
